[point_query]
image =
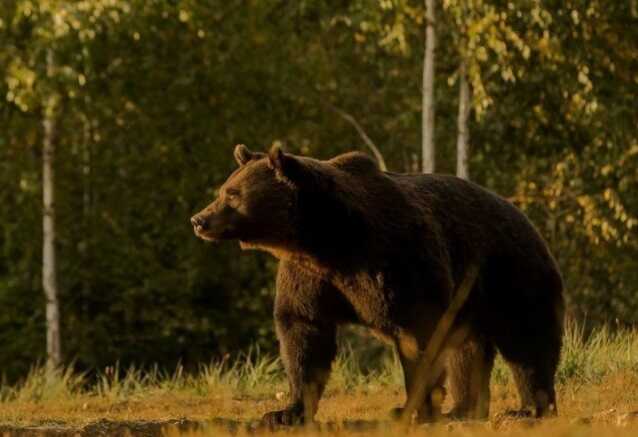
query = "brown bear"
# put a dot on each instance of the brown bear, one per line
(387, 251)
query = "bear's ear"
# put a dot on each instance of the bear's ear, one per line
(289, 168)
(242, 154)
(276, 158)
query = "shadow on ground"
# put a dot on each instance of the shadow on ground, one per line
(217, 426)
(172, 428)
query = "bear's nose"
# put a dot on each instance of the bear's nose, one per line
(197, 221)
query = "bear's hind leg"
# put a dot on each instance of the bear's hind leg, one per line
(531, 347)
(535, 386)
(469, 368)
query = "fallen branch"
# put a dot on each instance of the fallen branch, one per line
(431, 366)
(366, 139)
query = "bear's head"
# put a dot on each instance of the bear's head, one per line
(279, 201)
(252, 204)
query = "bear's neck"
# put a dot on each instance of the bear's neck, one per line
(289, 254)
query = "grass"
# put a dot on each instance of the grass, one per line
(598, 372)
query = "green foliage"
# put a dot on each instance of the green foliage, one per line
(150, 97)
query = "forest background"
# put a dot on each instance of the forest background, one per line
(118, 119)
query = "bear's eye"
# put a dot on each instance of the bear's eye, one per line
(232, 194)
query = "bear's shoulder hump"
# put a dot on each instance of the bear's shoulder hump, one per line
(355, 162)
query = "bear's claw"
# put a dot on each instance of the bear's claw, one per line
(287, 417)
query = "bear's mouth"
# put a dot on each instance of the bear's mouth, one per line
(204, 234)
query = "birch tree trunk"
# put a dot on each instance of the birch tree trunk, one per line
(427, 121)
(49, 277)
(463, 132)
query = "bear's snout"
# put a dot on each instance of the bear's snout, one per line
(208, 226)
(198, 222)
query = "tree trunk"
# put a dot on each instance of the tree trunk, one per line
(49, 279)
(427, 122)
(463, 138)
(86, 244)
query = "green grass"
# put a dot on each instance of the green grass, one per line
(251, 374)
(598, 372)
(585, 360)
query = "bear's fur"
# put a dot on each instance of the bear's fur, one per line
(387, 251)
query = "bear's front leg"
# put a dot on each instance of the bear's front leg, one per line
(307, 312)
(307, 350)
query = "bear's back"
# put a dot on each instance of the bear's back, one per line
(476, 222)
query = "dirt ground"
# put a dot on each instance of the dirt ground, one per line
(610, 409)
(609, 423)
